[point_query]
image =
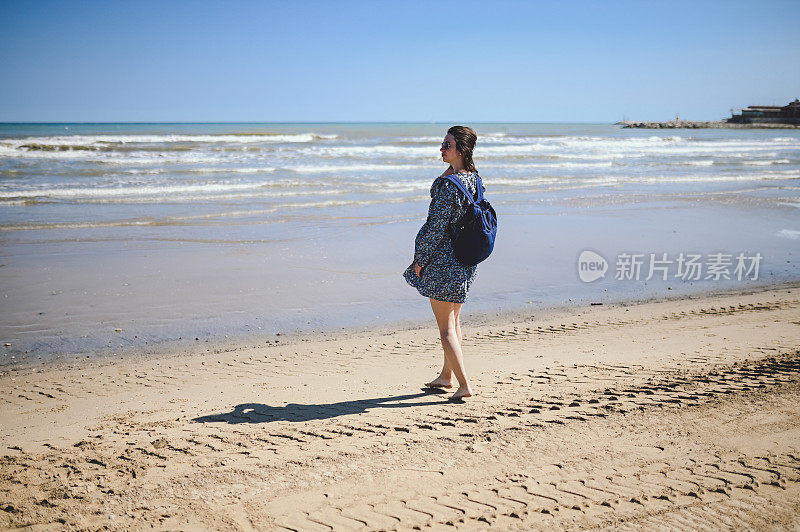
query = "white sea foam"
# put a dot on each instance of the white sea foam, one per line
(147, 171)
(264, 194)
(369, 151)
(526, 181)
(651, 179)
(767, 163)
(231, 170)
(711, 178)
(104, 140)
(152, 168)
(201, 170)
(575, 147)
(432, 140)
(135, 158)
(313, 169)
(789, 233)
(164, 191)
(401, 186)
(512, 166)
(160, 191)
(482, 137)
(704, 162)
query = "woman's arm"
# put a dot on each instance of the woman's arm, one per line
(443, 210)
(417, 267)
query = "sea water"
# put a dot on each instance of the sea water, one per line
(118, 236)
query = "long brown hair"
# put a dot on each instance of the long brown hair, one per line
(465, 143)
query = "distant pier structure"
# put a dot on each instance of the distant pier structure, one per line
(768, 114)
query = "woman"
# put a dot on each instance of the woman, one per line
(436, 273)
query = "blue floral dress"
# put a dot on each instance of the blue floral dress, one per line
(444, 278)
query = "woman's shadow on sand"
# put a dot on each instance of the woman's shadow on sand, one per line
(261, 413)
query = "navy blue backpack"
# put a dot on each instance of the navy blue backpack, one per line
(473, 235)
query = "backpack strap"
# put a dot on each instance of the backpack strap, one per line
(479, 186)
(458, 183)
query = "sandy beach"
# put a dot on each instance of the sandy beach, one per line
(675, 413)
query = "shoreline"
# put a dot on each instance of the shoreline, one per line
(579, 411)
(166, 349)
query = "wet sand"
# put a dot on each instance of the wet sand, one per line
(678, 413)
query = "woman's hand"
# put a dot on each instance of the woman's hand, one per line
(418, 270)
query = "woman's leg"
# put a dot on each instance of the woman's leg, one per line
(446, 320)
(445, 378)
(457, 312)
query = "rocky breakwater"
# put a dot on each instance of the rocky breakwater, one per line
(691, 124)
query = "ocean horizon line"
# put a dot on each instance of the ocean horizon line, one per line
(299, 122)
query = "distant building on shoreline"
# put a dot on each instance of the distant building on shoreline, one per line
(768, 114)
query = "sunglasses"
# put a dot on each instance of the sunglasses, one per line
(446, 145)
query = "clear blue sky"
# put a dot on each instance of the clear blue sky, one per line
(394, 61)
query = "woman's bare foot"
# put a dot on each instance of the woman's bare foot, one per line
(439, 383)
(463, 391)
